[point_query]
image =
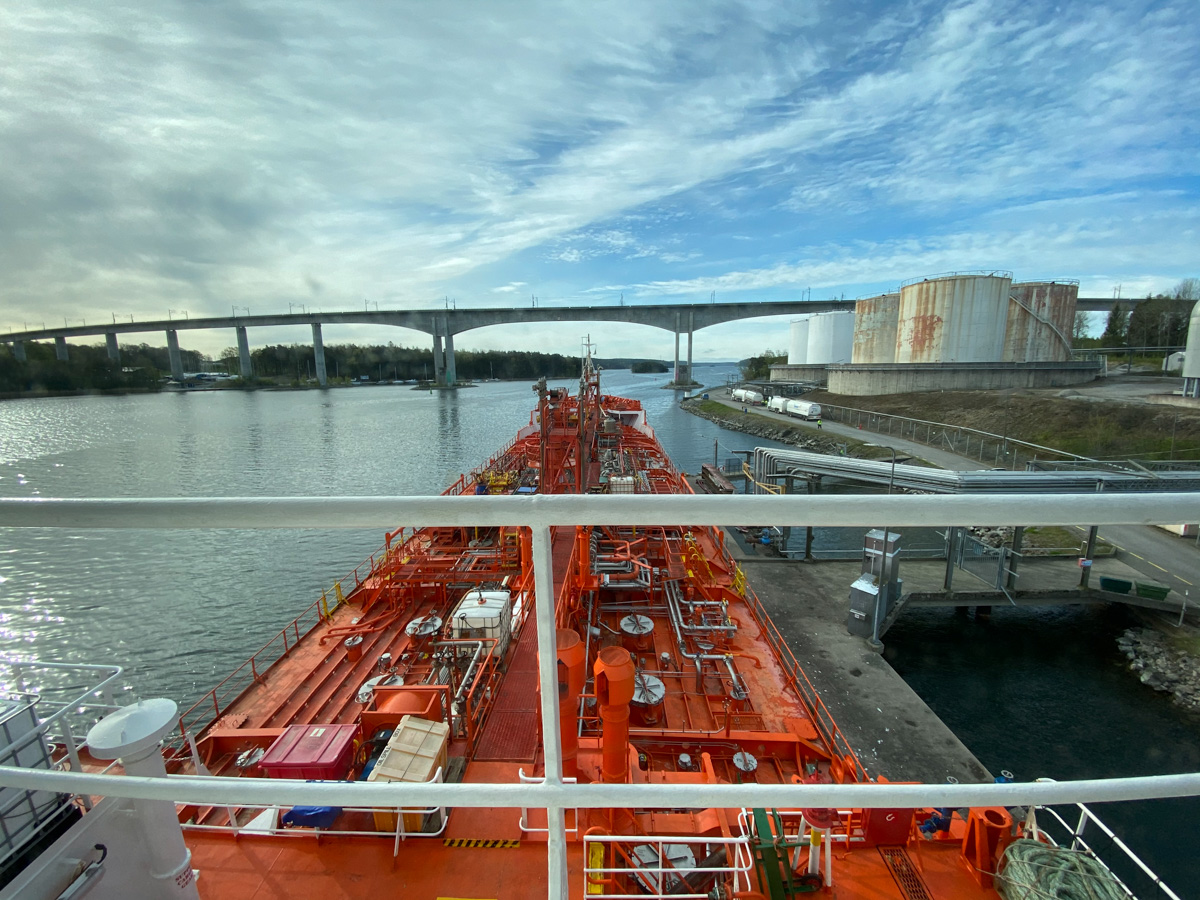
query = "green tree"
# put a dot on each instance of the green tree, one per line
(758, 368)
(1117, 327)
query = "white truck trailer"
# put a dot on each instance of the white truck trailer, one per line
(802, 409)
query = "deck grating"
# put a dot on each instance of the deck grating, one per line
(511, 733)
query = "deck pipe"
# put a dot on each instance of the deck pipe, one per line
(614, 684)
(572, 671)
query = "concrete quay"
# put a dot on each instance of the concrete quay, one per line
(893, 731)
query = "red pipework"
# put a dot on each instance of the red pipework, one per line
(571, 673)
(615, 673)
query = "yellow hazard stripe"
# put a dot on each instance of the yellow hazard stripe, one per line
(465, 842)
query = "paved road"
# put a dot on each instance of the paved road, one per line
(1161, 556)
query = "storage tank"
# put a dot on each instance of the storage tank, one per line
(953, 319)
(798, 349)
(1191, 356)
(1041, 319)
(830, 338)
(875, 321)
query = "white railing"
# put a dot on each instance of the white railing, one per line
(1078, 842)
(540, 514)
(656, 876)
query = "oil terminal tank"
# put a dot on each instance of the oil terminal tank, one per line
(830, 338)
(875, 321)
(798, 348)
(1041, 318)
(1191, 358)
(953, 319)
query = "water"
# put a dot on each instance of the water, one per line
(1042, 693)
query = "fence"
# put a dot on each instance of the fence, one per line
(996, 450)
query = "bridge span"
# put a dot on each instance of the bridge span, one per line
(443, 324)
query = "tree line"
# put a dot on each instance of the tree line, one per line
(140, 368)
(294, 362)
(143, 367)
(1161, 320)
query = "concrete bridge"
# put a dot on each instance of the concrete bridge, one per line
(443, 324)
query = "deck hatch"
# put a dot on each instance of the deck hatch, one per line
(905, 873)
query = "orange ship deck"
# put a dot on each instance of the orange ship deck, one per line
(669, 671)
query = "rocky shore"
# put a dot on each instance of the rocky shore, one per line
(1163, 665)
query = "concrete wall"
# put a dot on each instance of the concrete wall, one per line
(905, 378)
(798, 373)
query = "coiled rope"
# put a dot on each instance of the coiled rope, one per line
(1032, 870)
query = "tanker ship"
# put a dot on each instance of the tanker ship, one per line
(422, 667)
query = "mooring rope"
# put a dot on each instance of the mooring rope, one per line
(1032, 870)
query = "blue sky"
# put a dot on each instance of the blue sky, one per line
(204, 156)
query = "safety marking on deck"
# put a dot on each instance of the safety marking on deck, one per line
(466, 842)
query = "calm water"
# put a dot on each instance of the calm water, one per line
(1039, 693)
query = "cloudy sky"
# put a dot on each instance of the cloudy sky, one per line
(204, 156)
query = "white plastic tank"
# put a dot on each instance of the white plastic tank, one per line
(798, 348)
(1191, 356)
(953, 319)
(830, 338)
(1041, 319)
(875, 322)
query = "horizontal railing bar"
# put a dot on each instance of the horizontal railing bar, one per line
(657, 509)
(218, 791)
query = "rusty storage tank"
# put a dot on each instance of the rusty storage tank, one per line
(1191, 356)
(958, 318)
(875, 321)
(1041, 318)
(798, 348)
(830, 338)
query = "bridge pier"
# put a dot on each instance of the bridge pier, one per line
(319, 355)
(18, 350)
(438, 377)
(244, 351)
(173, 354)
(114, 352)
(451, 368)
(691, 329)
(60, 348)
(675, 370)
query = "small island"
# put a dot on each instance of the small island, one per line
(648, 367)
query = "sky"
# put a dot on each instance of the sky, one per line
(162, 157)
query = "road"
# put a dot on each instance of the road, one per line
(1161, 556)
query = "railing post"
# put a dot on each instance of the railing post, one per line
(543, 581)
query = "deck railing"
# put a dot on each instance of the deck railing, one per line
(541, 514)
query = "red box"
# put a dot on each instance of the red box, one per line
(311, 751)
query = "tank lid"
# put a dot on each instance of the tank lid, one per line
(133, 728)
(648, 690)
(637, 624)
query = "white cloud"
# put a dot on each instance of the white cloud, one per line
(172, 156)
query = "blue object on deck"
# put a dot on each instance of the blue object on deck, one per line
(526, 490)
(311, 816)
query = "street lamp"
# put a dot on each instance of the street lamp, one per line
(244, 308)
(176, 312)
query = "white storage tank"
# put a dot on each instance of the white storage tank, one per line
(1041, 318)
(798, 348)
(875, 322)
(830, 338)
(953, 319)
(1191, 356)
